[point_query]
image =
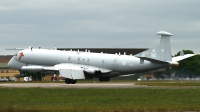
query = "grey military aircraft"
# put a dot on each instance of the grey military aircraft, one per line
(75, 65)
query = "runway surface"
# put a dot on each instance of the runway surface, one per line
(63, 85)
(90, 85)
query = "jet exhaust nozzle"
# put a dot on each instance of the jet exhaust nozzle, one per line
(176, 64)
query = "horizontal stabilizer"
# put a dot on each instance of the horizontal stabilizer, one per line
(179, 58)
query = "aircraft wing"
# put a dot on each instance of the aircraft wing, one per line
(68, 70)
(179, 58)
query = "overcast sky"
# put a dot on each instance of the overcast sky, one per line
(98, 23)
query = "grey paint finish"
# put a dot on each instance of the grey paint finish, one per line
(118, 64)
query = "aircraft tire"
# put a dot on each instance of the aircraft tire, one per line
(107, 79)
(73, 81)
(67, 81)
(101, 79)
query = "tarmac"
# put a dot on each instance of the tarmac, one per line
(63, 85)
(107, 85)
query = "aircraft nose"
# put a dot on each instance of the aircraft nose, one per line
(10, 63)
(15, 64)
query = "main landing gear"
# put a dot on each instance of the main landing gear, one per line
(70, 81)
(104, 79)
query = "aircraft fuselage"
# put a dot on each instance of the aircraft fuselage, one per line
(119, 64)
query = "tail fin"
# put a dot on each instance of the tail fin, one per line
(161, 52)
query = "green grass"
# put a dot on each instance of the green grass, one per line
(169, 83)
(148, 83)
(60, 99)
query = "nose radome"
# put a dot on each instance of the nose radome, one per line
(10, 63)
(15, 64)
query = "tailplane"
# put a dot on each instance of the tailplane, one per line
(182, 57)
(161, 52)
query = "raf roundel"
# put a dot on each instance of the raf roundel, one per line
(123, 63)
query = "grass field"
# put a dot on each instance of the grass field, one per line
(168, 83)
(62, 99)
(147, 83)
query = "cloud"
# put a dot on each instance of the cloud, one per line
(99, 23)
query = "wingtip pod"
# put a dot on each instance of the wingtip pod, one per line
(164, 33)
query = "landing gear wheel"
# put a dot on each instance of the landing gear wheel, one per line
(70, 81)
(107, 79)
(67, 81)
(73, 81)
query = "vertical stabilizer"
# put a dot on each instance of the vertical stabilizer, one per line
(165, 46)
(161, 52)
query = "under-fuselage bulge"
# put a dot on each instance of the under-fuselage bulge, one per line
(82, 65)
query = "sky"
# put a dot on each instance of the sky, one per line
(98, 24)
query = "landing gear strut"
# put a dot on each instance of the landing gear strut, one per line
(70, 81)
(104, 79)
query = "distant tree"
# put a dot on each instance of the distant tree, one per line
(189, 66)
